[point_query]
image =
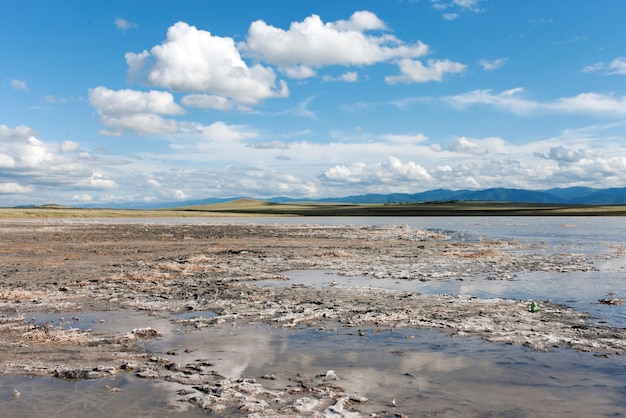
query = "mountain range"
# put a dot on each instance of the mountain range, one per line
(570, 195)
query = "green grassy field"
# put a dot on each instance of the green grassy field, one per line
(251, 207)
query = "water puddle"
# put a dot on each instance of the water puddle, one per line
(114, 322)
(123, 396)
(424, 372)
(579, 290)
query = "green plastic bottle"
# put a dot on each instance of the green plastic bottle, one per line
(534, 307)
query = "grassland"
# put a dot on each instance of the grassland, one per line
(256, 208)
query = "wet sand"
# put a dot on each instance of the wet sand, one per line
(84, 301)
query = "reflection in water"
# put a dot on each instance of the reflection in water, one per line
(426, 372)
(579, 290)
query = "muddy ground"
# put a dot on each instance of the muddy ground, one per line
(73, 268)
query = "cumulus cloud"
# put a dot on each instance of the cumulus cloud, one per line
(562, 154)
(490, 65)
(20, 148)
(69, 146)
(300, 72)
(135, 111)
(465, 146)
(20, 132)
(390, 172)
(413, 71)
(195, 61)
(14, 188)
(180, 195)
(216, 132)
(28, 164)
(615, 67)
(313, 43)
(100, 181)
(120, 102)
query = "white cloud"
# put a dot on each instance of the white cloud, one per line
(270, 145)
(615, 67)
(207, 101)
(490, 65)
(192, 60)
(390, 172)
(135, 111)
(302, 109)
(413, 71)
(20, 148)
(19, 84)
(69, 146)
(180, 195)
(30, 164)
(219, 131)
(300, 72)
(405, 139)
(49, 98)
(313, 43)
(510, 100)
(561, 153)
(154, 183)
(458, 7)
(360, 21)
(20, 132)
(83, 198)
(465, 146)
(467, 4)
(101, 181)
(139, 124)
(123, 24)
(122, 102)
(349, 77)
(596, 103)
(12, 188)
(6, 161)
(216, 132)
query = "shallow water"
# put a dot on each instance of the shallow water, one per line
(426, 372)
(579, 290)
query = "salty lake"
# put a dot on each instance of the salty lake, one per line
(427, 372)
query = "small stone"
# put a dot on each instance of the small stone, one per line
(147, 374)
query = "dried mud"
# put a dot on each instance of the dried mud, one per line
(75, 269)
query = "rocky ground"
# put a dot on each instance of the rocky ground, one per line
(73, 268)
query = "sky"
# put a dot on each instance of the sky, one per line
(135, 102)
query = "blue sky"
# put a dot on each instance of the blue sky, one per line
(129, 101)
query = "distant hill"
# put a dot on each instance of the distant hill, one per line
(570, 195)
(573, 195)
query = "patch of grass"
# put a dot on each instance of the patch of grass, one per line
(256, 208)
